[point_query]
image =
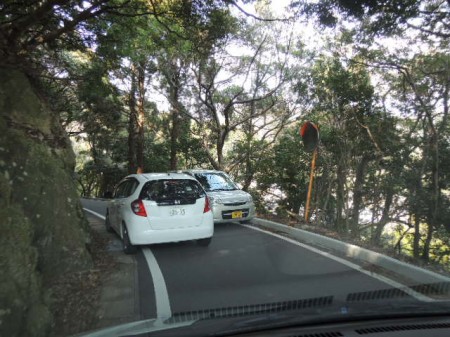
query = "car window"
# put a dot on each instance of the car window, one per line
(126, 188)
(215, 182)
(131, 187)
(121, 190)
(165, 189)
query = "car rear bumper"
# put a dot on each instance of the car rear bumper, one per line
(150, 236)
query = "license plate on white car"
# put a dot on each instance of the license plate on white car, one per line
(236, 215)
(177, 211)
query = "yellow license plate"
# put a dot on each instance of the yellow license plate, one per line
(236, 214)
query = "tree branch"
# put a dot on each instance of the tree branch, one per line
(243, 11)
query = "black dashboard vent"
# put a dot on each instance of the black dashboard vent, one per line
(255, 309)
(433, 289)
(376, 295)
(322, 334)
(403, 328)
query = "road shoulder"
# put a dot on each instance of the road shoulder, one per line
(119, 300)
(419, 279)
(103, 296)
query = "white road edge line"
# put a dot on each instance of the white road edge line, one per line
(163, 309)
(381, 278)
(95, 213)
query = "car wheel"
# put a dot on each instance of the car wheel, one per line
(204, 242)
(108, 227)
(128, 248)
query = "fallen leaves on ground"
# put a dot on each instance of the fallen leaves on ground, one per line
(76, 296)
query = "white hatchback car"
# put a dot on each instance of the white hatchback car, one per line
(159, 208)
(229, 203)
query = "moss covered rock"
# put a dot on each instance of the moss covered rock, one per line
(42, 227)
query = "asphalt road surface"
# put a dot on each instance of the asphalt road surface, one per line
(242, 266)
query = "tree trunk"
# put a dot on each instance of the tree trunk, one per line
(340, 221)
(324, 215)
(174, 136)
(220, 156)
(132, 125)
(416, 210)
(173, 77)
(384, 217)
(140, 141)
(435, 190)
(220, 144)
(426, 247)
(249, 172)
(416, 240)
(357, 195)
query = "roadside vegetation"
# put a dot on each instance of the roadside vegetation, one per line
(92, 91)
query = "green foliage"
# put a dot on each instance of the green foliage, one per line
(401, 239)
(386, 17)
(286, 169)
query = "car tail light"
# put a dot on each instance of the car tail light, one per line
(138, 208)
(207, 206)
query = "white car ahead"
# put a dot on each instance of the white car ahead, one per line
(158, 208)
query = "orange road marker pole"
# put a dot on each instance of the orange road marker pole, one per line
(311, 180)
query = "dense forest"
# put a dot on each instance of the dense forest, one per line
(94, 90)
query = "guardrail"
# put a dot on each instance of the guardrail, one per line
(414, 274)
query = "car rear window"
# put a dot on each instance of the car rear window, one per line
(168, 190)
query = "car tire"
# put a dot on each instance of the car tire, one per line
(204, 242)
(128, 248)
(108, 227)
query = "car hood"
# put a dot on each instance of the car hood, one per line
(246, 319)
(229, 196)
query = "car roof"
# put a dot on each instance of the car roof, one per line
(157, 176)
(202, 171)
